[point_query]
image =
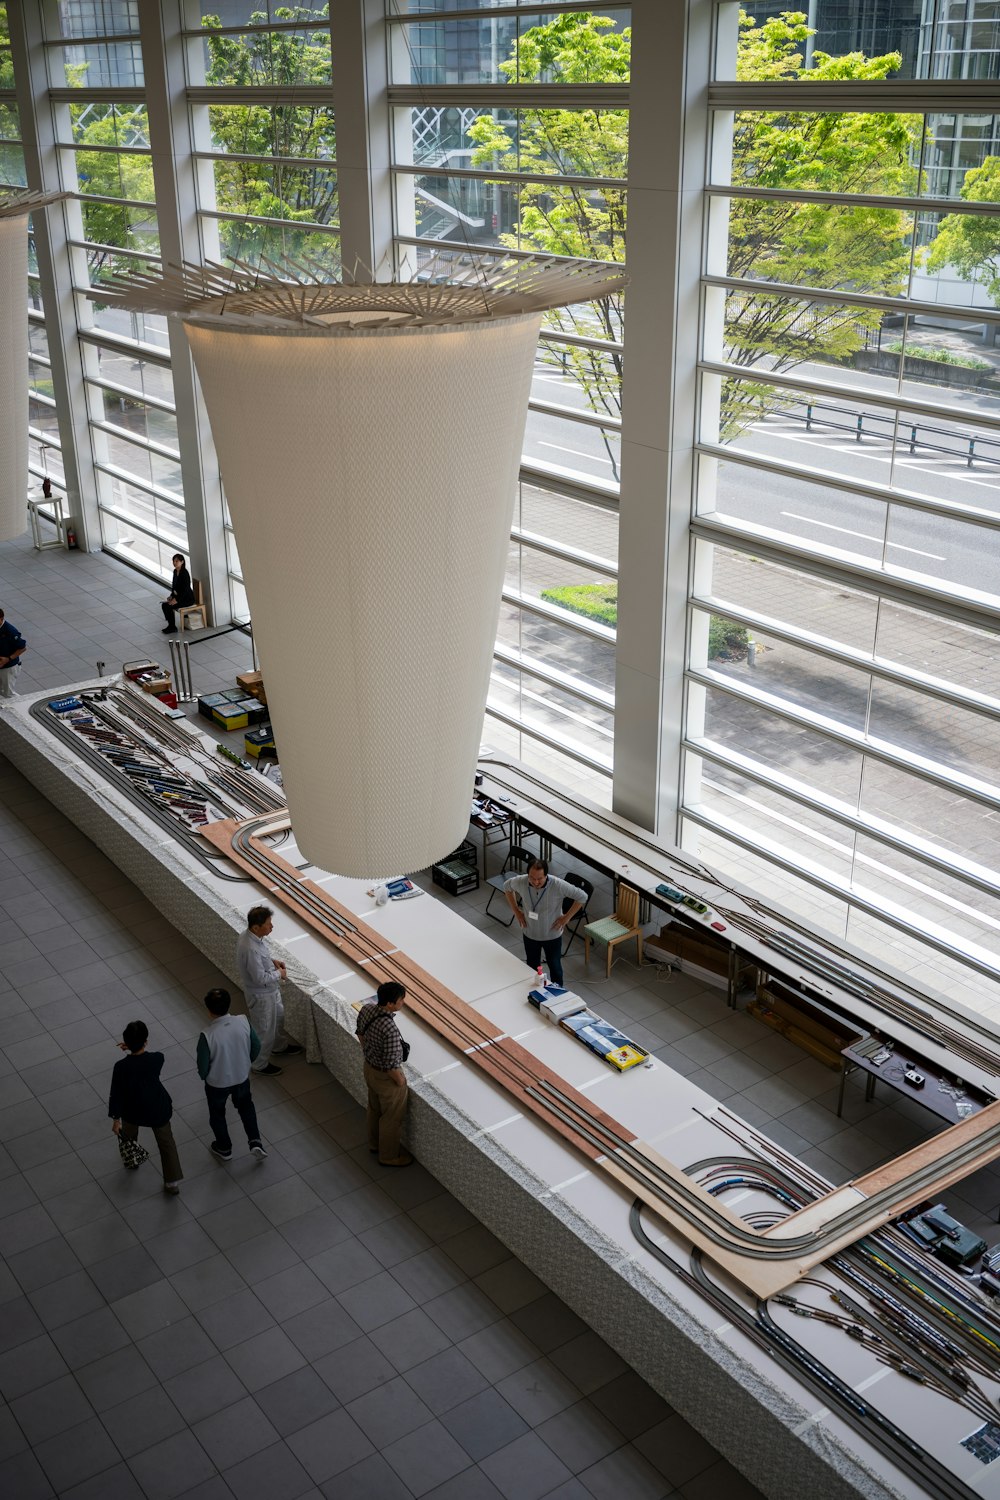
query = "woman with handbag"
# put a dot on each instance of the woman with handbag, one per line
(139, 1098)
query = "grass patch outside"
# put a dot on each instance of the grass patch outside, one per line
(599, 601)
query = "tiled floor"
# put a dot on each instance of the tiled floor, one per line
(305, 1326)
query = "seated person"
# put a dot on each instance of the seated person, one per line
(181, 594)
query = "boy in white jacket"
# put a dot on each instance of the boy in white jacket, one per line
(226, 1048)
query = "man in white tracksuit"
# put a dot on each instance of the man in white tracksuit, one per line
(260, 979)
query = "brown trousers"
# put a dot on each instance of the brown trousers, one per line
(164, 1137)
(386, 1107)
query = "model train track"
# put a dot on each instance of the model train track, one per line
(970, 1039)
(914, 1324)
(127, 721)
(765, 1262)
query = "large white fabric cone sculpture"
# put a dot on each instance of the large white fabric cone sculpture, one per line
(369, 439)
(15, 206)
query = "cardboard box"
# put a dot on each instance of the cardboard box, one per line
(251, 684)
(701, 950)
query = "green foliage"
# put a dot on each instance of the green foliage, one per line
(115, 175)
(275, 189)
(8, 114)
(727, 641)
(563, 218)
(939, 356)
(857, 247)
(598, 601)
(971, 242)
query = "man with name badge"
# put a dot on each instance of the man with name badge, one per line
(536, 899)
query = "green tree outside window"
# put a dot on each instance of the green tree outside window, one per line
(855, 248)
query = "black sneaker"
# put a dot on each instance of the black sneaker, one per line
(224, 1153)
(257, 1147)
(169, 630)
(292, 1050)
(271, 1071)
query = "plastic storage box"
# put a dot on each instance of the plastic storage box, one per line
(455, 877)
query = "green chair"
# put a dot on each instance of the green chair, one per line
(616, 929)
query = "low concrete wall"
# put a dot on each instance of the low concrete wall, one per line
(932, 371)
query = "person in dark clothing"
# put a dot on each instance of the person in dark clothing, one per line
(139, 1098)
(181, 594)
(12, 648)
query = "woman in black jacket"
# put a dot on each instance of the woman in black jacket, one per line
(139, 1098)
(181, 593)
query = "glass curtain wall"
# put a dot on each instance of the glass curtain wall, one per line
(95, 68)
(262, 127)
(843, 677)
(843, 698)
(510, 134)
(44, 451)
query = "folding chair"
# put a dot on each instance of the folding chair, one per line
(517, 861)
(611, 931)
(582, 916)
(186, 612)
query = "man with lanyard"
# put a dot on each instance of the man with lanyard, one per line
(260, 979)
(12, 648)
(384, 1053)
(536, 899)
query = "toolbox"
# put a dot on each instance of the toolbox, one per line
(256, 712)
(229, 716)
(454, 876)
(208, 702)
(260, 742)
(133, 670)
(149, 676)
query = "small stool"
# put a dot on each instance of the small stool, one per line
(36, 504)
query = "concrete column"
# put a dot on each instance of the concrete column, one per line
(52, 230)
(668, 153)
(364, 183)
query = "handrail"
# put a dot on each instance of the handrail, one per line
(857, 427)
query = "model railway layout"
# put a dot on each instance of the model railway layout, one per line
(823, 961)
(766, 1260)
(815, 1277)
(157, 764)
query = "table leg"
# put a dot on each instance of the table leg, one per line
(870, 1088)
(840, 1096)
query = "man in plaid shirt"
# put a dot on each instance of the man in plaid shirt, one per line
(384, 1055)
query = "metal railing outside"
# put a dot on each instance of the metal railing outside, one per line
(862, 424)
